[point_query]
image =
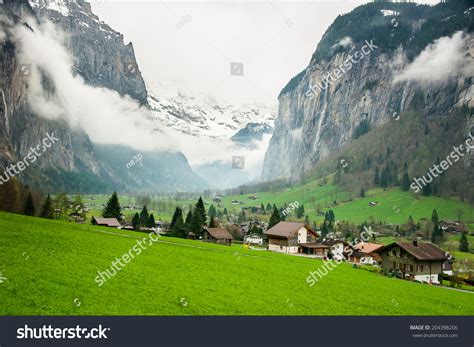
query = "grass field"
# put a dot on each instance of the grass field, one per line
(394, 205)
(50, 269)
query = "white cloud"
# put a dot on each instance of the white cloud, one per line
(102, 113)
(443, 59)
(344, 42)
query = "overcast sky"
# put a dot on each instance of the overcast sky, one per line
(190, 45)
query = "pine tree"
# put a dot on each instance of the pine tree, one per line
(427, 190)
(331, 216)
(435, 218)
(212, 223)
(377, 176)
(306, 221)
(201, 211)
(212, 211)
(136, 222)
(47, 211)
(144, 216)
(188, 220)
(199, 218)
(324, 229)
(405, 182)
(112, 209)
(362, 193)
(29, 206)
(463, 243)
(300, 211)
(225, 211)
(178, 212)
(151, 221)
(178, 227)
(384, 178)
(274, 218)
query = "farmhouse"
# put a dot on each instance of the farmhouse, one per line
(291, 237)
(217, 235)
(420, 261)
(365, 253)
(339, 249)
(453, 227)
(107, 222)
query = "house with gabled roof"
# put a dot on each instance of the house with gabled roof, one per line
(366, 253)
(217, 235)
(339, 249)
(294, 237)
(107, 222)
(419, 261)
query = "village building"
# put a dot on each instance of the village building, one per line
(338, 249)
(292, 238)
(107, 222)
(366, 253)
(217, 235)
(420, 261)
(452, 227)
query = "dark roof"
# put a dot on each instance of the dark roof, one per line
(219, 233)
(110, 222)
(313, 245)
(357, 254)
(285, 229)
(422, 251)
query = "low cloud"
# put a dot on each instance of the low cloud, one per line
(445, 58)
(106, 116)
(344, 42)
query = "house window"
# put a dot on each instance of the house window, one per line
(390, 253)
(419, 268)
(397, 265)
(398, 254)
(405, 255)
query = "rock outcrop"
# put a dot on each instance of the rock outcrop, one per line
(314, 122)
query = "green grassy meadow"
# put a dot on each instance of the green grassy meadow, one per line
(50, 269)
(394, 205)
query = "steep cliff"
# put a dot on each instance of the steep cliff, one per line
(353, 81)
(102, 59)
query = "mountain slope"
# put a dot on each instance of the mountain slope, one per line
(101, 59)
(206, 117)
(380, 84)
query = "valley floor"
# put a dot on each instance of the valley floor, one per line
(50, 268)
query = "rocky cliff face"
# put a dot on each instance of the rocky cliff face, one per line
(314, 122)
(101, 59)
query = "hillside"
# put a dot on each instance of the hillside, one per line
(374, 67)
(102, 87)
(44, 259)
(394, 205)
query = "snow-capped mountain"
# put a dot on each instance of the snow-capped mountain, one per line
(206, 117)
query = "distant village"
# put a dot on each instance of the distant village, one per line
(416, 260)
